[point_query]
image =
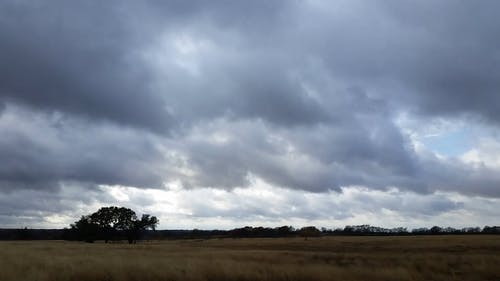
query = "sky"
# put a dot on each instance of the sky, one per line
(222, 114)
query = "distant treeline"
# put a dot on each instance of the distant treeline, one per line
(283, 231)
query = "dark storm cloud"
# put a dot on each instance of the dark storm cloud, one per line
(85, 58)
(438, 59)
(307, 92)
(82, 58)
(77, 59)
(458, 72)
(84, 61)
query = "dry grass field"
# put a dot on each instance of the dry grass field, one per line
(328, 258)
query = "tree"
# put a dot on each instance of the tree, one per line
(138, 226)
(436, 229)
(111, 222)
(309, 231)
(85, 229)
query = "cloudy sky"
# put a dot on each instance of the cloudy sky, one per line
(220, 114)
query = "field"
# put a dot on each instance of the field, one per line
(326, 258)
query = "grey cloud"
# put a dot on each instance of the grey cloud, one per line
(37, 155)
(360, 147)
(237, 83)
(31, 208)
(269, 94)
(372, 153)
(318, 159)
(452, 175)
(410, 204)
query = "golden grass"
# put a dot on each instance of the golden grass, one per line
(328, 258)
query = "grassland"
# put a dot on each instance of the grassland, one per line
(326, 258)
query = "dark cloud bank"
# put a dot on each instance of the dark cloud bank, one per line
(303, 94)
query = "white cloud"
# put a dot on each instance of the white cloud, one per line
(264, 204)
(486, 153)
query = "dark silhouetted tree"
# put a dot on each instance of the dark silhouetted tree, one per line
(436, 230)
(85, 229)
(309, 231)
(134, 233)
(110, 222)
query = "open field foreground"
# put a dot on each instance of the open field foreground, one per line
(327, 258)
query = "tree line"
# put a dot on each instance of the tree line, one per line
(123, 224)
(244, 232)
